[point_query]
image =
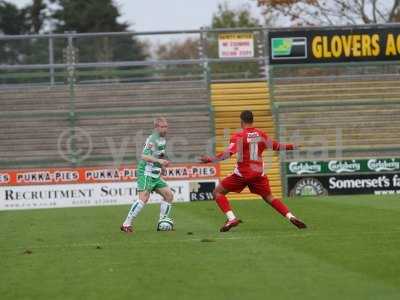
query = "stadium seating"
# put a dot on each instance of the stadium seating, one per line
(338, 90)
(115, 115)
(350, 116)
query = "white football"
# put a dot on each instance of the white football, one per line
(165, 224)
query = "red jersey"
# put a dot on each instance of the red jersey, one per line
(249, 145)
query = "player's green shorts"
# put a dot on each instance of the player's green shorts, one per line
(148, 183)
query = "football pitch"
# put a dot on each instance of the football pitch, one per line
(351, 250)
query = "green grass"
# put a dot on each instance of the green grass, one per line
(350, 251)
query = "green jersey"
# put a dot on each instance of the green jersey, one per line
(155, 146)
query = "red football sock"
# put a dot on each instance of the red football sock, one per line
(279, 206)
(223, 203)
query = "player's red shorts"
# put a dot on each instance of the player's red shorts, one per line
(257, 185)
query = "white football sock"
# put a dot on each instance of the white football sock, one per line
(136, 207)
(165, 209)
(289, 215)
(230, 215)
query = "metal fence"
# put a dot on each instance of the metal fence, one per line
(51, 58)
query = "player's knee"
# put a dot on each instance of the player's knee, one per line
(219, 190)
(268, 198)
(169, 196)
(216, 193)
(144, 200)
(144, 197)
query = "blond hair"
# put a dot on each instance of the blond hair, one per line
(159, 120)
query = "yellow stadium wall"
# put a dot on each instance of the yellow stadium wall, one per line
(228, 100)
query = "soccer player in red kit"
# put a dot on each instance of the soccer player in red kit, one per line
(249, 145)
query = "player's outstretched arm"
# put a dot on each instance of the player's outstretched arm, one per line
(209, 159)
(219, 157)
(227, 153)
(277, 146)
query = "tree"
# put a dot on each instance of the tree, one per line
(27, 20)
(87, 16)
(334, 12)
(186, 49)
(226, 17)
(17, 21)
(12, 19)
(83, 16)
(37, 15)
(179, 49)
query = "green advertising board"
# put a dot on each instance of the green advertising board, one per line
(374, 165)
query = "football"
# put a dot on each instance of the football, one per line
(165, 224)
